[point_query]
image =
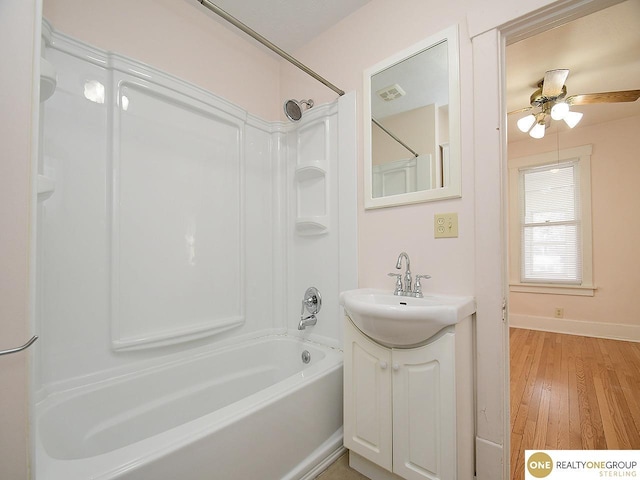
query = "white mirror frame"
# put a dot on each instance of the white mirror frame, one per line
(453, 188)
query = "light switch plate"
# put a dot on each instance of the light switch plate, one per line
(445, 225)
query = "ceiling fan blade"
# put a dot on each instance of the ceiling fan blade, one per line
(520, 110)
(604, 97)
(553, 82)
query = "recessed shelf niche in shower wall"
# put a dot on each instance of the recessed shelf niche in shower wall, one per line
(311, 176)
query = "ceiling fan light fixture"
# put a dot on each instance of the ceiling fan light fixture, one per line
(572, 118)
(559, 111)
(537, 131)
(525, 123)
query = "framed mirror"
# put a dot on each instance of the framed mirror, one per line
(412, 124)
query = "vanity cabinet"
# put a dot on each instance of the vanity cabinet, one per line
(368, 407)
(401, 408)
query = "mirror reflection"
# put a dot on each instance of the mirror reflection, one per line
(409, 108)
(412, 124)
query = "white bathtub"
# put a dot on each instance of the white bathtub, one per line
(250, 411)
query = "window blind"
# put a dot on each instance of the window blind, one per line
(550, 223)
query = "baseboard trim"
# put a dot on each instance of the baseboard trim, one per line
(612, 331)
(324, 464)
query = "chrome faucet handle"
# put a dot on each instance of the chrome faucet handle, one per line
(417, 292)
(398, 288)
(312, 301)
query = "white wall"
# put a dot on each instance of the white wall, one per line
(615, 173)
(19, 31)
(417, 126)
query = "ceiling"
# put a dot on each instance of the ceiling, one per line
(290, 24)
(423, 77)
(602, 53)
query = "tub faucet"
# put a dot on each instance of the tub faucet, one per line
(307, 322)
(407, 273)
(312, 302)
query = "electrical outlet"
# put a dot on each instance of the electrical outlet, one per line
(559, 312)
(445, 225)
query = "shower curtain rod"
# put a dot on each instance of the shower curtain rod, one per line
(252, 33)
(384, 129)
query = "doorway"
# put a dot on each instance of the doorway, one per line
(572, 386)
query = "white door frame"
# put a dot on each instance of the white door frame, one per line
(491, 189)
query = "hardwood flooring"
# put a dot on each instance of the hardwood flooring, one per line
(572, 393)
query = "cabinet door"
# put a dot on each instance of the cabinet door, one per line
(367, 397)
(424, 411)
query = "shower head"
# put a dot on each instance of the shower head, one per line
(293, 108)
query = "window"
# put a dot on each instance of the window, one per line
(550, 224)
(550, 216)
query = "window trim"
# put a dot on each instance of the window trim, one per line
(582, 156)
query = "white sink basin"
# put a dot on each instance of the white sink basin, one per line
(397, 321)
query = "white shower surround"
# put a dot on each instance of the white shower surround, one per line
(119, 289)
(176, 178)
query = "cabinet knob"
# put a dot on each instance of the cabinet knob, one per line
(396, 367)
(383, 365)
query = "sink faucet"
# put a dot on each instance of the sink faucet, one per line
(405, 290)
(407, 273)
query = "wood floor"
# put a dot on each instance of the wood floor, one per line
(572, 393)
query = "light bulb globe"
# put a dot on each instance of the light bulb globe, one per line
(572, 118)
(538, 131)
(559, 111)
(525, 123)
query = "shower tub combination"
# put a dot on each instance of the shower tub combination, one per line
(247, 411)
(200, 176)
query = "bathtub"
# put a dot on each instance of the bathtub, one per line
(249, 411)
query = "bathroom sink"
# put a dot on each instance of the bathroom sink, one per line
(398, 321)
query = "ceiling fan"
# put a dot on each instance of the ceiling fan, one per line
(551, 98)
